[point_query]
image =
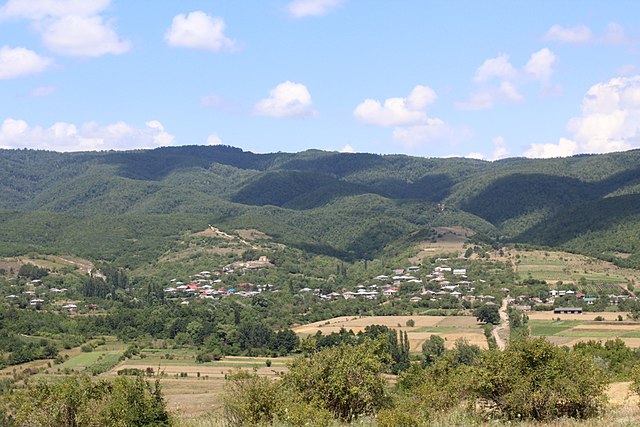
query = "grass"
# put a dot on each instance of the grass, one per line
(554, 266)
(544, 328)
(88, 360)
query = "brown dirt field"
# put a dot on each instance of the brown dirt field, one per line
(452, 240)
(619, 394)
(359, 323)
(465, 327)
(586, 316)
(252, 234)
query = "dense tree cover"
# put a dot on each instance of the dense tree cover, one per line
(488, 314)
(348, 205)
(344, 382)
(77, 401)
(531, 379)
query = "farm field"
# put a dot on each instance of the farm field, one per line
(571, 329)
(193, 388)
(561, 266)
(450, 328)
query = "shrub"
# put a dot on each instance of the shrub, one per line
(345, 380)
(534, 379)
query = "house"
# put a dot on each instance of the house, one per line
(71, 308)
(415, 299)
(567, 310)
(459, 271)
(413, 268)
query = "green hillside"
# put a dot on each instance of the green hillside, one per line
(131, 206)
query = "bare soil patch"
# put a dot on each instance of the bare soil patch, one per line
(252, 234)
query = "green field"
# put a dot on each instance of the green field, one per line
(88, 360)
(555, 266)
(544, 328)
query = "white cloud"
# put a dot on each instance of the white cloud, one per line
(498, 81)
(87, 36)
(197, 30)
(432, 130)
(397, 111)
(610, 117)
(578, 34)
(615, 34)
(70, 27)
(63, 136)
(540, 65)
(288, 99)
(500, 150)
(43, 91)
(408, 116)
(302, 8)
(488, 97)
(214, 139)
(565, 147)
(347, 149)
(498, 67)
(609, 121)
(40, 9)
(474, 155)
(18, 62)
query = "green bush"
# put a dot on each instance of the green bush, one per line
(534, 379)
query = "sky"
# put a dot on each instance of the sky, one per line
(483, 79)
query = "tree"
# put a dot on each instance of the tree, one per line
(488, 314)
(345, 380)
(534, 379)
(77, 401)
(432, 349)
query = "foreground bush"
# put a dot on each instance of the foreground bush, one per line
(341, 382)
(79, 402)
(534, 379)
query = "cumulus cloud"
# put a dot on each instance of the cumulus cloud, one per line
(432, 130)
(613, 34)
(609, 121)
(87, 36)
(397, 111)
(540, 65)
(498, 81)
(347, 149)
(303, 8)
(197, 30)
(565, 147)
(18, 62)
(500, 150)
(288, 99)
(498, 67)
(408, 116)
(577, 34)
(89, 136)
(70, 27)
(214, 139)
(40, 9)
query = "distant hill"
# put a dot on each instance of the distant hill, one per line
(130, 206)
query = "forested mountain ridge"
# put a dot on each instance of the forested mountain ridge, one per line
(348, 205)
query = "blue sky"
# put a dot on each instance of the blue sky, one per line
(484, 79)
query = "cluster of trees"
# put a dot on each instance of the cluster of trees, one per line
(78, 401)
(532, 379)
(393, 346)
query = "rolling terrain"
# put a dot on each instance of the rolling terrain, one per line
(131, 207)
